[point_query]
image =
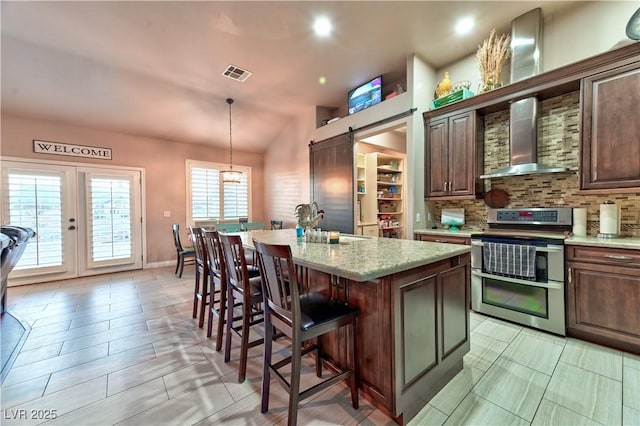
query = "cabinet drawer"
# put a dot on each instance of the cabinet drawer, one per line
(610, 256)
(443, 239)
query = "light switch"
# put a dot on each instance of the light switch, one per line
(417, 217)
(167, 213)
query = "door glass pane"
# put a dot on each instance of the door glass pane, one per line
(516, 297)
(35, 201)
(110, 218)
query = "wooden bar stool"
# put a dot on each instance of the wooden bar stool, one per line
(242, 290)
(201, 286)
(300, 317)
(217, 284)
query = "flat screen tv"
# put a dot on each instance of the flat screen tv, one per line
(364, 96)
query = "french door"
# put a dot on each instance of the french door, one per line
(87, 220)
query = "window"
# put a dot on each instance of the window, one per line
(209, 198)
(34, 200)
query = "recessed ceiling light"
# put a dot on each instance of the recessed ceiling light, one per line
(464, 26)
(322, 26)
(322, 79)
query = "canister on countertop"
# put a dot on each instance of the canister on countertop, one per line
(609, 220)
(580, 222)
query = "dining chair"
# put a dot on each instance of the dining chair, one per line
(229, 227)
(186, 255)
(276, 224)
(244, 290)
(253, 226)
(300, 317)
(201, 285)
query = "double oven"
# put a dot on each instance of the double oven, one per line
(517, 267)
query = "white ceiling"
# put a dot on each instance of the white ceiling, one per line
(154, 68)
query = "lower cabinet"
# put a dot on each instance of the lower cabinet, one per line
(603, 296)
(412, 331)
(450, 239)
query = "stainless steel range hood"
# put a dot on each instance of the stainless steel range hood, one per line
(526, 39)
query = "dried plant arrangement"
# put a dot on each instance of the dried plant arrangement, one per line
(492, 54)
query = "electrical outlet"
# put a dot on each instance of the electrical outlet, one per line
(167, 213)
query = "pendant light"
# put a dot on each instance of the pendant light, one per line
(231, 176)
(633, 26)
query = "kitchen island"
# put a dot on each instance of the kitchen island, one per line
(413, 321)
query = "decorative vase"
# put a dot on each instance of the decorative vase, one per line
(489, 83)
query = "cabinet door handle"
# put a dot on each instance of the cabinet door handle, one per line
(618, 257)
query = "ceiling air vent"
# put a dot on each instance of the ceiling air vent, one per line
(236, 73)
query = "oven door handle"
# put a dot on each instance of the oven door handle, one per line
(547, 249)
(551, 285)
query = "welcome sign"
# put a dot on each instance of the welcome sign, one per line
(56, 148)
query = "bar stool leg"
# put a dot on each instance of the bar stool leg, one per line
(227, 344)
(294, 391)
(221, 317)
(266, 369)
(195, 293)
(244, 345)
(203, 299)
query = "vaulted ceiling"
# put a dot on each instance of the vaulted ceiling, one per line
(155, 68)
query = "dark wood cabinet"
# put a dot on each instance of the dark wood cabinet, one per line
(610, 136)
(603, 296)
(412, 331)
(453, 156)
(450, 239)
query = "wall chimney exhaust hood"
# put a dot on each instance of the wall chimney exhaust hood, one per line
(526, 39)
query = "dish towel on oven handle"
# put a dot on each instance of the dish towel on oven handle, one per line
(510, 259)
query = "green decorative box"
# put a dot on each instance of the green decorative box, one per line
(456, 96)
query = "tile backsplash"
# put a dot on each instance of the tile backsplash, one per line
(558, 145)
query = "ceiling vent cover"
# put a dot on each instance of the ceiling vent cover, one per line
(236, 73)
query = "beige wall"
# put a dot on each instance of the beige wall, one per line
(162, 160)
(579, 32)
(286, 169)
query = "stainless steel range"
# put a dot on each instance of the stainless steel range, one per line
(517, 267)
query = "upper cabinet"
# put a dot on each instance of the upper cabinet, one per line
(609, 86)
(453, 156)
(610, 135)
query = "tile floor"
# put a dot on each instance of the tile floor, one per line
(123, 349)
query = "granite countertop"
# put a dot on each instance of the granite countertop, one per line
(358, 258)
(625, 242)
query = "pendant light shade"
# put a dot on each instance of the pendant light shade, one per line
(231, 176)
(633, 26)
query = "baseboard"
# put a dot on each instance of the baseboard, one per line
(162, 264)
